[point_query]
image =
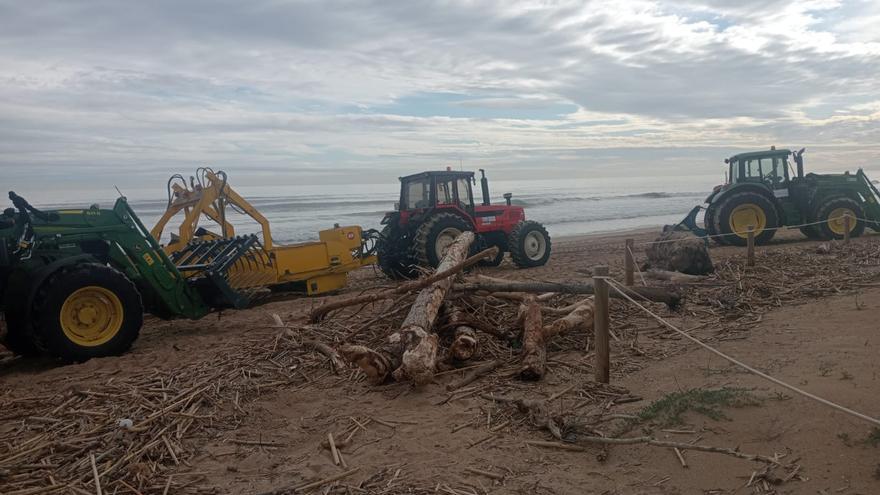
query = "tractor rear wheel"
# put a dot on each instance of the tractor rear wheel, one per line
(709, 224)
(87, 311)
(529, 244)
(741, 210)
(434, 236)
(393, 255)
(831, 213)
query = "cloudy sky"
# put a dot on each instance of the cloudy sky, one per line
(108, 91)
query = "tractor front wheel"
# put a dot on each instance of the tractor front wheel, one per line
(87, 311)
(529, 244)
(831, 213)
(434, 236)
(743, 210)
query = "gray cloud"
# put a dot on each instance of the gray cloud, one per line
(127, 90)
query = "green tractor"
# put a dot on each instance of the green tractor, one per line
(764, 192)
(74, 284)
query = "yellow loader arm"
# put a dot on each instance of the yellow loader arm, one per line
(317, 267)
(209, 197)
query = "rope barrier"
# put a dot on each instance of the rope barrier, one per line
(614, 285)
(636, 266)
(645, 243)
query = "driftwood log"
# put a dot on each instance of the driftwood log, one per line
(656, 294)
(534, 346)
(411, 351)
(674, 277)
(535, 337)
(679, 252)
(464, 342)
(321, 311)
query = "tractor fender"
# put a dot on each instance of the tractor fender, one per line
(824, 195)
(455, 211)
(31, 281)
(743, 188)
(716, 191)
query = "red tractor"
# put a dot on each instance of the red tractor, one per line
(435, 207)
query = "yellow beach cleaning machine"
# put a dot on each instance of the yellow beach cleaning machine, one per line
(312, 267)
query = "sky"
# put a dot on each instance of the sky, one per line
(99, 92)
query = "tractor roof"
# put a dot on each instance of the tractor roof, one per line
(760, 154)
(439, 173)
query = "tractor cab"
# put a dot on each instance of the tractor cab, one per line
(436, 206)
(422, 192)
(769, 168)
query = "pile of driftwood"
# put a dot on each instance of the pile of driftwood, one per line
(413, 350)
(135, 430)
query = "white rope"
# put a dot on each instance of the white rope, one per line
(633, 257)
(645, 243)
(735, 361)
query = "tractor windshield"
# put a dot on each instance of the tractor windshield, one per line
(445, 192)
(417, 194)
(464, 193)
(770, 170)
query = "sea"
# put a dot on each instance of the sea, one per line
(567, 207)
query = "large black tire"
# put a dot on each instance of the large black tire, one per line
(747, 204)
(392, 254)
(709, 224)
(19, 338)
(434, 235)
(496, 261)
(529, 244)
(87, 311)
(830, 211)
(493, 240)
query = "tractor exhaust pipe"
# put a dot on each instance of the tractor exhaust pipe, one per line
(799, 160)
(484, 185)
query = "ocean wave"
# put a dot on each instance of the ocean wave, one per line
(542, 201)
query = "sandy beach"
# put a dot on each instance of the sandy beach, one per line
(804, 316)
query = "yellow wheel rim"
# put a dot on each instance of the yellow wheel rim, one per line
(747, 215)
(836, 222)
(91, 316)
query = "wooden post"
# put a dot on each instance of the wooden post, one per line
(629, 263)
(600, 325)
(846, 225)
(750, 260)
